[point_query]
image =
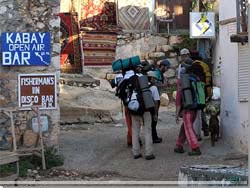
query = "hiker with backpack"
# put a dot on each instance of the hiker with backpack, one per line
(205, 76)
(134, 91)
(187, 103)
(140, 100)
(120, 92)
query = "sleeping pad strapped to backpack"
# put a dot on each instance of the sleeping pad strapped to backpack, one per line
(205, 76)
(121, 64)
(193, 92)
(135, 93)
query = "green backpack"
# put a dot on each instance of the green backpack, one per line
(193, 92)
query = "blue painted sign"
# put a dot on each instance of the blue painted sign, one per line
(26, 49)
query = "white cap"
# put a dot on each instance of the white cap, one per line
(151, 74)
(184, 51)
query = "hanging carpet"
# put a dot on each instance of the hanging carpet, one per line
(98, 15)
(98, 48)
(134, 18)
(70, 59)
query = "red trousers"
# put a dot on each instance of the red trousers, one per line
(129, 125)
(187, 131)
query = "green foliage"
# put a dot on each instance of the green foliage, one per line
(24, 165)
(187, 42)
(7, 169)
(204, 6)
(33, 162)
(171, 89)
(52, 158)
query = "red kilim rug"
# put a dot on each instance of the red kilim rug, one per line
(98, 48)
(70, 59)
(100, 15)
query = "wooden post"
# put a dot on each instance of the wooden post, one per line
(9, 113)
(37, 111)
(41, 138)
(14, 139)
(13, 130)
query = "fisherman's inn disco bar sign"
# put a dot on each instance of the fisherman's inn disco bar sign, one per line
(26, 49)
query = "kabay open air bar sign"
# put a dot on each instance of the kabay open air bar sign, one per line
(26, 49)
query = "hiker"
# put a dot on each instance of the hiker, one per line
(154, 114)
(161, 83)
(140, 115)
(159, 72)
(186, 130)
(126, 74)
(199, 123)
(207, 78)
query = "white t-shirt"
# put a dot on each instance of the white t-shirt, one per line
(155, 93)
(119, 78)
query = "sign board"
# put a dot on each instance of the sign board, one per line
(202, 24)
(44, 124)
(19, 49)
(37, 89)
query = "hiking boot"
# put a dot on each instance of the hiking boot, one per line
(138, 156)
(157, 140)
(140, 142)
(199, 138)
(179, 150)
(195, 152)
(150, 157)
(206, 132)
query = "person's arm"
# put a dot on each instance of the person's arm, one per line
(177, 112)
(178, 101)
(156, 97)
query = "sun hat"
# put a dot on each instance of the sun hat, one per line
(184, 51)
(166, 63)
(151, 74)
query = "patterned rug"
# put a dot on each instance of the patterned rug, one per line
(134, 15)
(70, 60)
(98, 48)
(98, 15)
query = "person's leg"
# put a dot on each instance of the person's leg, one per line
(188, 119)
(155, 137)
(181, 140)
(197, 125)
(148, 134)
(181, 137)
(135, 134)
(129, 125)
(153, 126)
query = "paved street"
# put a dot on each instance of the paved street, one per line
(101, 148)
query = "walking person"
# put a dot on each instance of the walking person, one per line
(200, 122)
(141, 120)
(186, 131)
(120, 79)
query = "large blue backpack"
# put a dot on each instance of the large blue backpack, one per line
(193, 92)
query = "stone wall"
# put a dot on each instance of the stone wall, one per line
(29, 16)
